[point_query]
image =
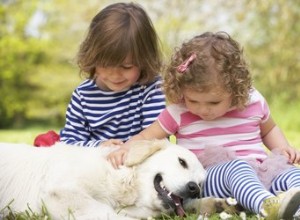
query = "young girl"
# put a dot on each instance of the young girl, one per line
(216, 112)
(122, 95)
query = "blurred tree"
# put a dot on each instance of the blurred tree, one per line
(19, 56)
(39, 40)
(268, 30)
(274, 36)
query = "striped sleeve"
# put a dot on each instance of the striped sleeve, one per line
(153, 103)
(75, 131)
(170, 119)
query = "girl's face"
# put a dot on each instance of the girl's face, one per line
(117, 78)
(208, 105)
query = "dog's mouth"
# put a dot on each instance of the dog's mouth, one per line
(169, 198)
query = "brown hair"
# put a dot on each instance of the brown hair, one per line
(119, 30)
(219, 61)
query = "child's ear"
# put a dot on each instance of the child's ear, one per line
(141, 150)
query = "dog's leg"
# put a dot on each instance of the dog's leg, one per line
(75, 204)
(210, 205)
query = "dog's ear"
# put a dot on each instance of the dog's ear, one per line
(141, 150)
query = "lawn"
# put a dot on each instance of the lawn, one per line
(23, 135)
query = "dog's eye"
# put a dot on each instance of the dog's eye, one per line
(182, 163)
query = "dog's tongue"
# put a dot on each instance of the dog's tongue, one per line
(178, 207)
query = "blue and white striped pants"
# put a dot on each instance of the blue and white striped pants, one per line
(238, 179)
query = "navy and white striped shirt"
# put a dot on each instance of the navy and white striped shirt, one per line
(94, 115)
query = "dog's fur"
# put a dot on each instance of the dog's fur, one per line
(78, 180)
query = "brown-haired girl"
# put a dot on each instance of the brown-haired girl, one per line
(121, 58)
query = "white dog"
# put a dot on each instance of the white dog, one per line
(76, 181)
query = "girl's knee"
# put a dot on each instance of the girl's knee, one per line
(240, 163)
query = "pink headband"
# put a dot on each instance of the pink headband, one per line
(183, 67)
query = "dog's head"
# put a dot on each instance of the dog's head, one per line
(170, 174)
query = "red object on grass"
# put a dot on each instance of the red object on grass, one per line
(46, 139)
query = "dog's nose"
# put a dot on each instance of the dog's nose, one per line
(193, 190)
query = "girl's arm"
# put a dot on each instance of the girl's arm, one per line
(273, 138)
(75, 131)
(153, 131)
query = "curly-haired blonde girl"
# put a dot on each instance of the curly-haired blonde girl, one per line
(215, 112)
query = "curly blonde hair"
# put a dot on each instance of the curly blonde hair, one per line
(219, 61)
(116, 31)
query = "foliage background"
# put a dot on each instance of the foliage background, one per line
(39, 40)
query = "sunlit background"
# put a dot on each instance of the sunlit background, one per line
(39, 40)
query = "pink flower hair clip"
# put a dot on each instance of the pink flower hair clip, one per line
(183, 67)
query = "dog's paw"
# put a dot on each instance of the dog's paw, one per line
(210, 205)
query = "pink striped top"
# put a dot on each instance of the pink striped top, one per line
(238, 131)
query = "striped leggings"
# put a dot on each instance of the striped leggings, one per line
(238, 179)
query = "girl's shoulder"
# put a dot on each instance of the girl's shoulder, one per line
(177, 108)
(256, 96)
(89, 88)
(87, 84)
(156, 82)
(151, 87)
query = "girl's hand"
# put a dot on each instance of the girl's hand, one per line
(293, 155)
(111, 143)
(118, 157)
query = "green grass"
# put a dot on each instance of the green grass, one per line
(30, 215)
(26, 215)
(23, 135)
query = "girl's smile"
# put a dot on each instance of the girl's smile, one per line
(118, 78)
